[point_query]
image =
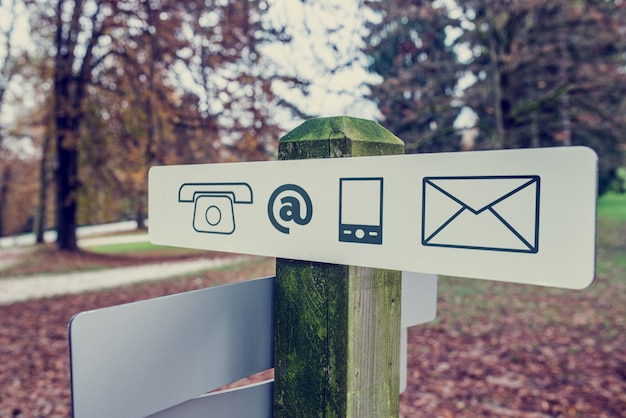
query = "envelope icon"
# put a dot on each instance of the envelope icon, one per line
(491, 213)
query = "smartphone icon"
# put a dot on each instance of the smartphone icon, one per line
(361, 210)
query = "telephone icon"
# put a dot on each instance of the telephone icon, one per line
(214, 204)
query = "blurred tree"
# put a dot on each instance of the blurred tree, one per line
(139, 83)
(200, 96)
(7, 64)
(418, 96)
(18, 190)
(535, 72)
(82, 29)
(17, 157)
(8, 69)
(5, 179)
(233, 80)
(37, 126)
(550, 72)
(131, 104)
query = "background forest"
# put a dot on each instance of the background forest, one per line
(94, 92)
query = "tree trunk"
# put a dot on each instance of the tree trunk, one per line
(4, 192)
(40, 215)
(67, 187)
(67, 134)
(535, 141)
(564, 101)
(499, 140)
(69, 86)
(140, 210)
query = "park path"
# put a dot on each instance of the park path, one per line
(10, 256)
(12, 249)
(19, 289)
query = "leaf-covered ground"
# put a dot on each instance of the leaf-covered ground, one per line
(552, 355)
(47, 260)
(34, 351)
(504, 350)
(495, 350)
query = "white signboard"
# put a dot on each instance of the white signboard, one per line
(252, 401)
(136, 359)
(525, 216)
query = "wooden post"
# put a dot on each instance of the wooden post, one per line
(337, 334)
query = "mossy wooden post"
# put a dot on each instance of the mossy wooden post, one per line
(337, 335)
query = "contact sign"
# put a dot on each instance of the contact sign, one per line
(525, 216)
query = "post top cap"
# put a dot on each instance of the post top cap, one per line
(340, 127)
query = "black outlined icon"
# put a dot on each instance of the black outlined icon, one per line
(296, 206)
(213, 204)
(361, 210)
(494, 213)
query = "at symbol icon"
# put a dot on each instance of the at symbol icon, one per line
(296, 206)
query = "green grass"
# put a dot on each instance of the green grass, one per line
(612, 206)
(134, 247)
(611, 246)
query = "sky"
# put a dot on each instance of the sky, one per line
(333, 64)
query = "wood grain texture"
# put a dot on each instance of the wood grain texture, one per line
(337, 335)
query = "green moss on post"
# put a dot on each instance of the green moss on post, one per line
(337, 337)
(340, 136)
